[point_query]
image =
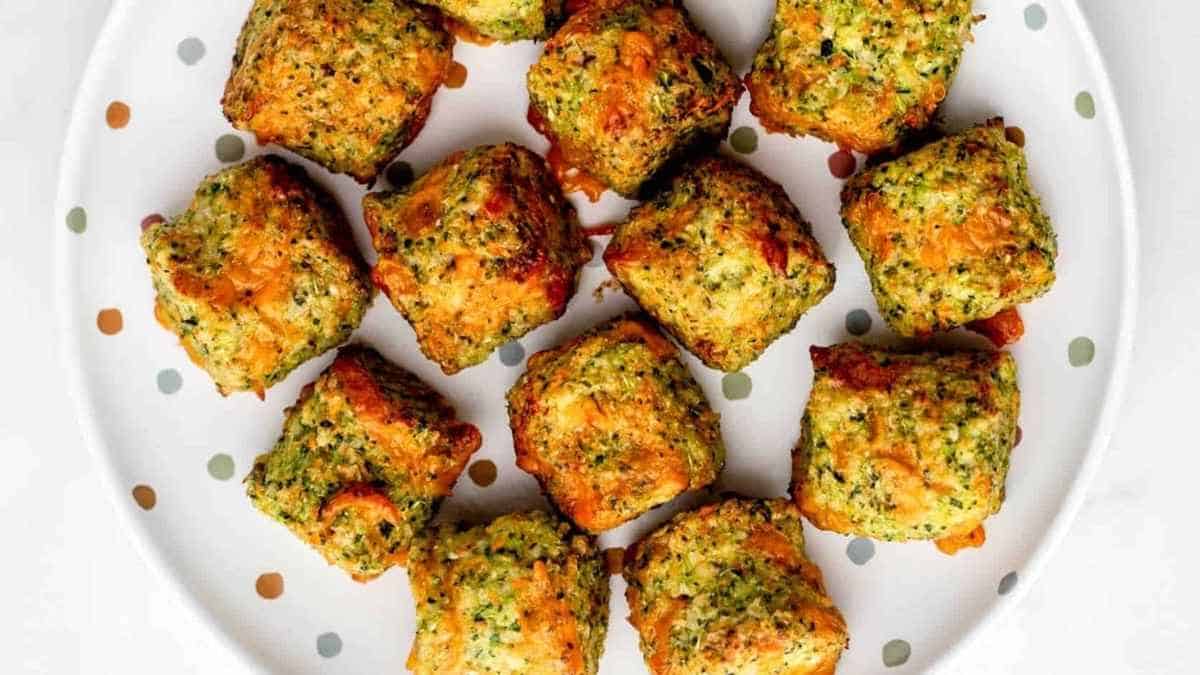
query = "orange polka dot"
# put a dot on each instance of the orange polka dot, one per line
(483, 472)
(110, 321)
(456, 76)
(144, 496)
(269, 585)
(117, 115)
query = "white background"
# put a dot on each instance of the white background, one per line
(1122, 594)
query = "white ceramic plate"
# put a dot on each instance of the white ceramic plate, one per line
(167, 61)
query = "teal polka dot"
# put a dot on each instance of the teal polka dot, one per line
(736, 386)
(1035, 16)
(230, 148)
(896, 653)
(220, 466)
(860, 550)
(744, 140)
(512, 354)
(1085, 105)
(1081, 351)
(169, 381)
(329, 645)
(77, 220)
(1006, 584)
(858, 322)
(190, 51)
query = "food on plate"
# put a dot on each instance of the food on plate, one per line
(722, 260)
(366, 454)
(859, 73)
(951, 233)
(345, 83)
(612, 424)
(727, 588)
(477, 252)
(258, 275)
(623, 88)
(503, 20)
(524, 593)
(906, 446)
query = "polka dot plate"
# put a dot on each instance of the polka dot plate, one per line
(147, 126)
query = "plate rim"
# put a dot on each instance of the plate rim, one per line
(150, 552)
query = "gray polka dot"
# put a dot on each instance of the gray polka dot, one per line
(744, 140)
(169, 381)
(1081, 351)
(858, 322)
(860, 551)
(190, 50)
(399, 174)
(736, 386)
(1007, 583)
(220, 466)
(329, 645)
(512, 354)
(77, 220)
(896, 653)
(1085, 105)
(1035, 16)
(230, 148)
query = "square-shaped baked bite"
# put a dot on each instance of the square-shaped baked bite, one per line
(624, 87)
(727, 588)
(258, 275)
(345, 83)
(504, 20)
(722, 260)
(367, 453)
(906, 446)
(859, 73)
(611, 424)
(951, 233)
(525, 593)
(477, 252)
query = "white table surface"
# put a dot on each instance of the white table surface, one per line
(1121, 595)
